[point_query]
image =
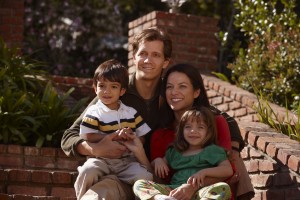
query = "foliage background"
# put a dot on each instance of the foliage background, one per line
(258, 39)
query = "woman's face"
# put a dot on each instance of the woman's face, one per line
(180, 93)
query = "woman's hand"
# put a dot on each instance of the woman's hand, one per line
(134, 144)
(161, 168)
(183, 192)
(197, 179)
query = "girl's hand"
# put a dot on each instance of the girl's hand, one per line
(197, 180)
(161, 168)
(183, 192)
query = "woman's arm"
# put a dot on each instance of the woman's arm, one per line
(135, 145)
(223, 170)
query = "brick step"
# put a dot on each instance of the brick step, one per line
(29, 197)
(25, 157)
(37, 182)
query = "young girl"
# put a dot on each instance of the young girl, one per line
(193, 157)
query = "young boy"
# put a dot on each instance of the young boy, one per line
(110, 116)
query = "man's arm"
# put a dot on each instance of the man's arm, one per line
(73, 145)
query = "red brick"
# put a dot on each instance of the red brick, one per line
(253, 166)
(283, 155)
(36, 191)
(41, 177)
(38, 161)
(11, 161)
(3, 175)
(31, 151)
(252, 138)
(272, 150)
(240, 112)
(60, 153)
(4, 196)
(67, 164)
(267, 166)
(235, 105)
(294, 163)
(15, 149)
(255, 154)
(63, 192)
(244, 153)
(62, 177)
(3, 148)
(48, 152)
(262, 180)
(19, 175)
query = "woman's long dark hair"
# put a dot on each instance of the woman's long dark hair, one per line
(166, 113)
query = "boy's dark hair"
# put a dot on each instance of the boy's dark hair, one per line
(199, 114)
(153, 34)
(112, 70)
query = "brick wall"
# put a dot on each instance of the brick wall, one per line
(271, 158)
(193, 37)
(12, 22)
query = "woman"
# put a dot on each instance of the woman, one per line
(184, 88)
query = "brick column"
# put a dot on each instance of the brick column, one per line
(12, 22)
(194, 39)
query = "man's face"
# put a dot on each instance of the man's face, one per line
(149, 60)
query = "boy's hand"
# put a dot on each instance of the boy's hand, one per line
(125, 134)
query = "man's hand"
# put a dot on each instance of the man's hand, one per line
(107, 147)
(183, 192)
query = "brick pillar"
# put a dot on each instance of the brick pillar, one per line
(12, 22)
(194, 39)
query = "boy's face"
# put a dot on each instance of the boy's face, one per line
(109, 93)
(149, 60)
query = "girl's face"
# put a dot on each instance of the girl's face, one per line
(180, 93)
(109, 93)
(194, 132)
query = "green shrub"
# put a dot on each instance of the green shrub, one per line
(289, 126)
(31, 111)
(272, 61)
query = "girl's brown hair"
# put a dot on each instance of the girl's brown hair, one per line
(200, 114)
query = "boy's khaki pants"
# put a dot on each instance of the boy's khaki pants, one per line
(110, 188)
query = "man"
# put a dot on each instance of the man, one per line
(152, 49)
